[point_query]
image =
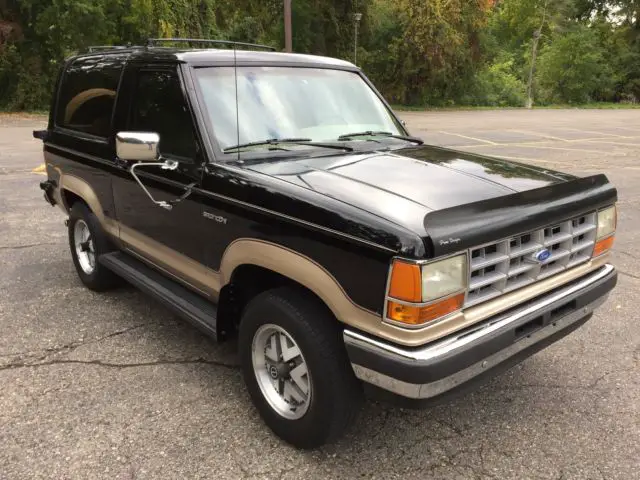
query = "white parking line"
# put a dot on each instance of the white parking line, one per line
(469, 138)
(560, 164)
(592, 131)
(524, 159)
(615, 143)
(547, 147)
(536, 134)
(542, 143)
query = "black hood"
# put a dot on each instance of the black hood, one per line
(452, 200)
(405, 185)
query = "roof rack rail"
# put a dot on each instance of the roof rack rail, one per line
(98, 48)
(152, 42)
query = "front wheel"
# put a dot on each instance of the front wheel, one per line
(296, 368)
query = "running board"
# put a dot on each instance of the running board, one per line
(171, 294)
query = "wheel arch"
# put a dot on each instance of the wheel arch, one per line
(74, 189)
(249, 264)
(69, 198)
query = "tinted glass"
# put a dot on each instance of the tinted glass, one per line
(284, 102)
(88, 95)
(159, 106)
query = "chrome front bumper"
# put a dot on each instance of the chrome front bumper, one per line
(482, 350)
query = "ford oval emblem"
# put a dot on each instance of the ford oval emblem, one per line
(542, 255)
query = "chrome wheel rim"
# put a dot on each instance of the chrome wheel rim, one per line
(85, 251)
(281, 371)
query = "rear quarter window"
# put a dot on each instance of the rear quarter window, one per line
(88, 95)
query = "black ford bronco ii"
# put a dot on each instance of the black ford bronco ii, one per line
(277, 198)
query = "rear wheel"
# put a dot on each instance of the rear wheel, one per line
(296, 368)
(87, 242)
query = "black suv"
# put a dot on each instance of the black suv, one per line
(276, 198)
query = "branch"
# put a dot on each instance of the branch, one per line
(544, 16)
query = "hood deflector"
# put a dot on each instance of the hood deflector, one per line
(458, 228)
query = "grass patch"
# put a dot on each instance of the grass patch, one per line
(586, 106)
(594, 106)
(31, 113)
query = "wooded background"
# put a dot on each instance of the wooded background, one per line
(418, 52)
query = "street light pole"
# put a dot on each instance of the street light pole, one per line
(357, 17)
(288, 44)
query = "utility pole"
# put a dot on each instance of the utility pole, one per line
(356, 17)
(534, 54)
(288, 43)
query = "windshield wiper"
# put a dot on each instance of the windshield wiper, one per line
(371, 133)
(293, 141)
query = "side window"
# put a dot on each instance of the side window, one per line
(159, 106)
(88, 94)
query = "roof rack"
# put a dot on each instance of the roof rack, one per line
(98, 48)
(153, 42)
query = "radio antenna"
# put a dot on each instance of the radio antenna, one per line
(235, 76)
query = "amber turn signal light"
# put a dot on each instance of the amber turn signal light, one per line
(412, 315)
(603, 246)
(406, 282)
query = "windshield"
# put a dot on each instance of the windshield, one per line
(285, 102)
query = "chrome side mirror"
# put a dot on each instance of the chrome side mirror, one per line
(137, 146)
(142, 148)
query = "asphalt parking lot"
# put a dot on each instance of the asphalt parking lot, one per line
(114, 386)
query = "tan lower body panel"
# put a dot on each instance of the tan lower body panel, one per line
(306, 272)
(187, 270)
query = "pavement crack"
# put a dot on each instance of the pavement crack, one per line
(458, 431)
(622, 272)
(30, 245)
(100, 363)
(594, 385)
(523, 386)
(627, 253)
(40, 355)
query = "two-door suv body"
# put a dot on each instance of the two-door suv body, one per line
(276, 198)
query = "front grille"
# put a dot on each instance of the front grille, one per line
(506, 265)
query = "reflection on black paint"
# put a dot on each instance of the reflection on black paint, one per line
(493, 166)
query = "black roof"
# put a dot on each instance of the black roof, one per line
(214, 56)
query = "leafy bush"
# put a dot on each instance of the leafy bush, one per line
(497, 85)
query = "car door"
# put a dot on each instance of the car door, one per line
(169, 238)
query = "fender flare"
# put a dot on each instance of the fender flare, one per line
(82, 189)
(300, 269)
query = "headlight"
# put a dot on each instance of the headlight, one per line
(606, 222)
(444, 277)
(418, 294)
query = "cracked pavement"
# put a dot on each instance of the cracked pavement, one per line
(114, 386)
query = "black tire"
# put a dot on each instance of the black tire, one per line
(100, 279)
(336, 394)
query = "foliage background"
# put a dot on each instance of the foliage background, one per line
(418, 52)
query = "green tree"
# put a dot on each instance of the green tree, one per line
(436, 52)
(573, 68)
(434, 56)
